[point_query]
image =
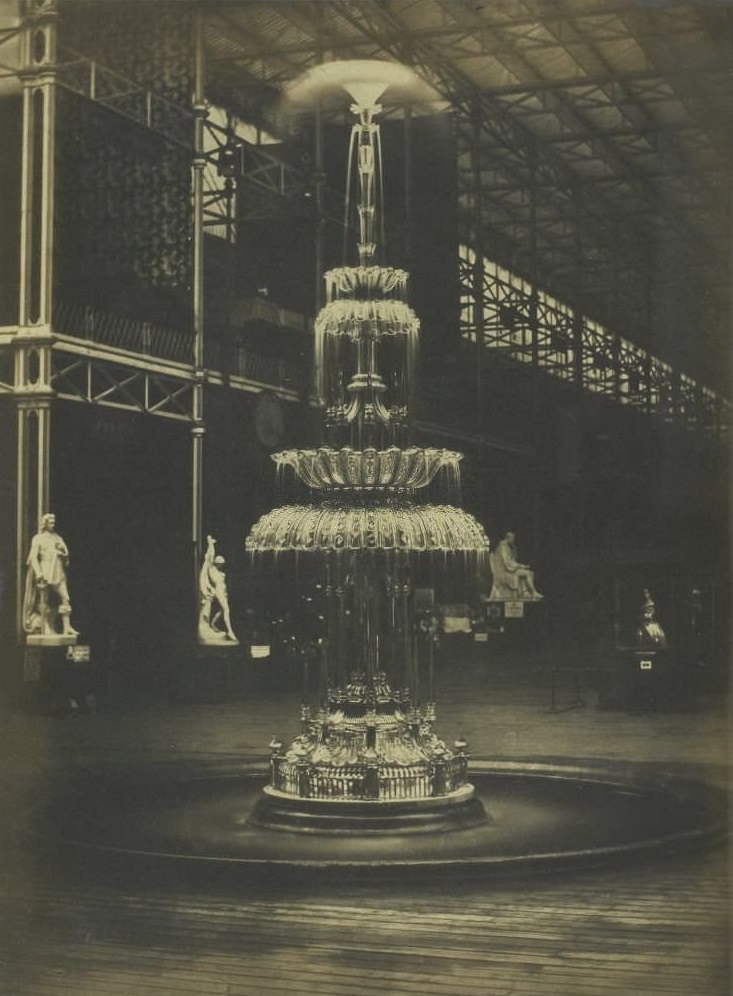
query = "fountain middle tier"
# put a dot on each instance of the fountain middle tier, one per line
(353, 318)
(370, 468)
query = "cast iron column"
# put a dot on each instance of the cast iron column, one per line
(534, 292)
(198, 429)
(319, 179)
(479, 264)
(35, 330)
(578, 294)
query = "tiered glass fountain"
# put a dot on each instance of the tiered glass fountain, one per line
(367, 535)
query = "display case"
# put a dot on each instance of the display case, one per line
(665, 646)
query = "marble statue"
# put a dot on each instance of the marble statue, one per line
(215, 625)
(650, 634)
(46, 600)
(511, 580)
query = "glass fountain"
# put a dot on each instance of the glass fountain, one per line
(367, 534)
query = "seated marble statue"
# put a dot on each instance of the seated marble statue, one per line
(650, 635)
(511, 580)
(46, 597)
(215, 625)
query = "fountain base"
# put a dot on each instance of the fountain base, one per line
(281, 811)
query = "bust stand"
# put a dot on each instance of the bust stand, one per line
(647, 673)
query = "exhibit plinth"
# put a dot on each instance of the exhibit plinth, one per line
(51, 640)
(212, 672)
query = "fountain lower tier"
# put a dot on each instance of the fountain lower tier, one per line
(369, 760)
(369, 742)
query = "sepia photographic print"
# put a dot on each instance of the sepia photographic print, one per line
(364, 510)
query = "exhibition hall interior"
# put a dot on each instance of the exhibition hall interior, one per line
(364, 516)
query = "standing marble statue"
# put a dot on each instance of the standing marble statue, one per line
(511, 580)
(46, 599)
(214, 600)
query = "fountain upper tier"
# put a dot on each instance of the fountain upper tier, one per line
(366, 282)
(366, 299)
(349, 469)
(365, 347)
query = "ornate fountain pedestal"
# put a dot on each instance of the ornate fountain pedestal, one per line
(282, 811)
(366, 765)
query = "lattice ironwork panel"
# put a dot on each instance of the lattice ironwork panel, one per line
(662, 388)
(219, 210)
(633, 380)
(537, 328)
(555, 342)
(508, 307)
(709, 411)
(722, 423)
(97, 382)
(598, 359)
(527, 327)
(466, 268)
(689, 402)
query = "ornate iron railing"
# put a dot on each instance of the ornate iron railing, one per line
(82, 321)
(363, 781)
(122, 332)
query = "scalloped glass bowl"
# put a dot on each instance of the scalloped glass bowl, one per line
(393, 468)
(349, 317)
(420, 528)
(354, 281)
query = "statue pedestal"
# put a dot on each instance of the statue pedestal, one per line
(223, 641)
(51, 640)
(498, 610)
(648, 681)
(58, 681)
(515, 624)
(212, 672)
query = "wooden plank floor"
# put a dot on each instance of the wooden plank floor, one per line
(640, 933)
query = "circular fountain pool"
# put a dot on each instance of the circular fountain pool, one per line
(541, 817)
